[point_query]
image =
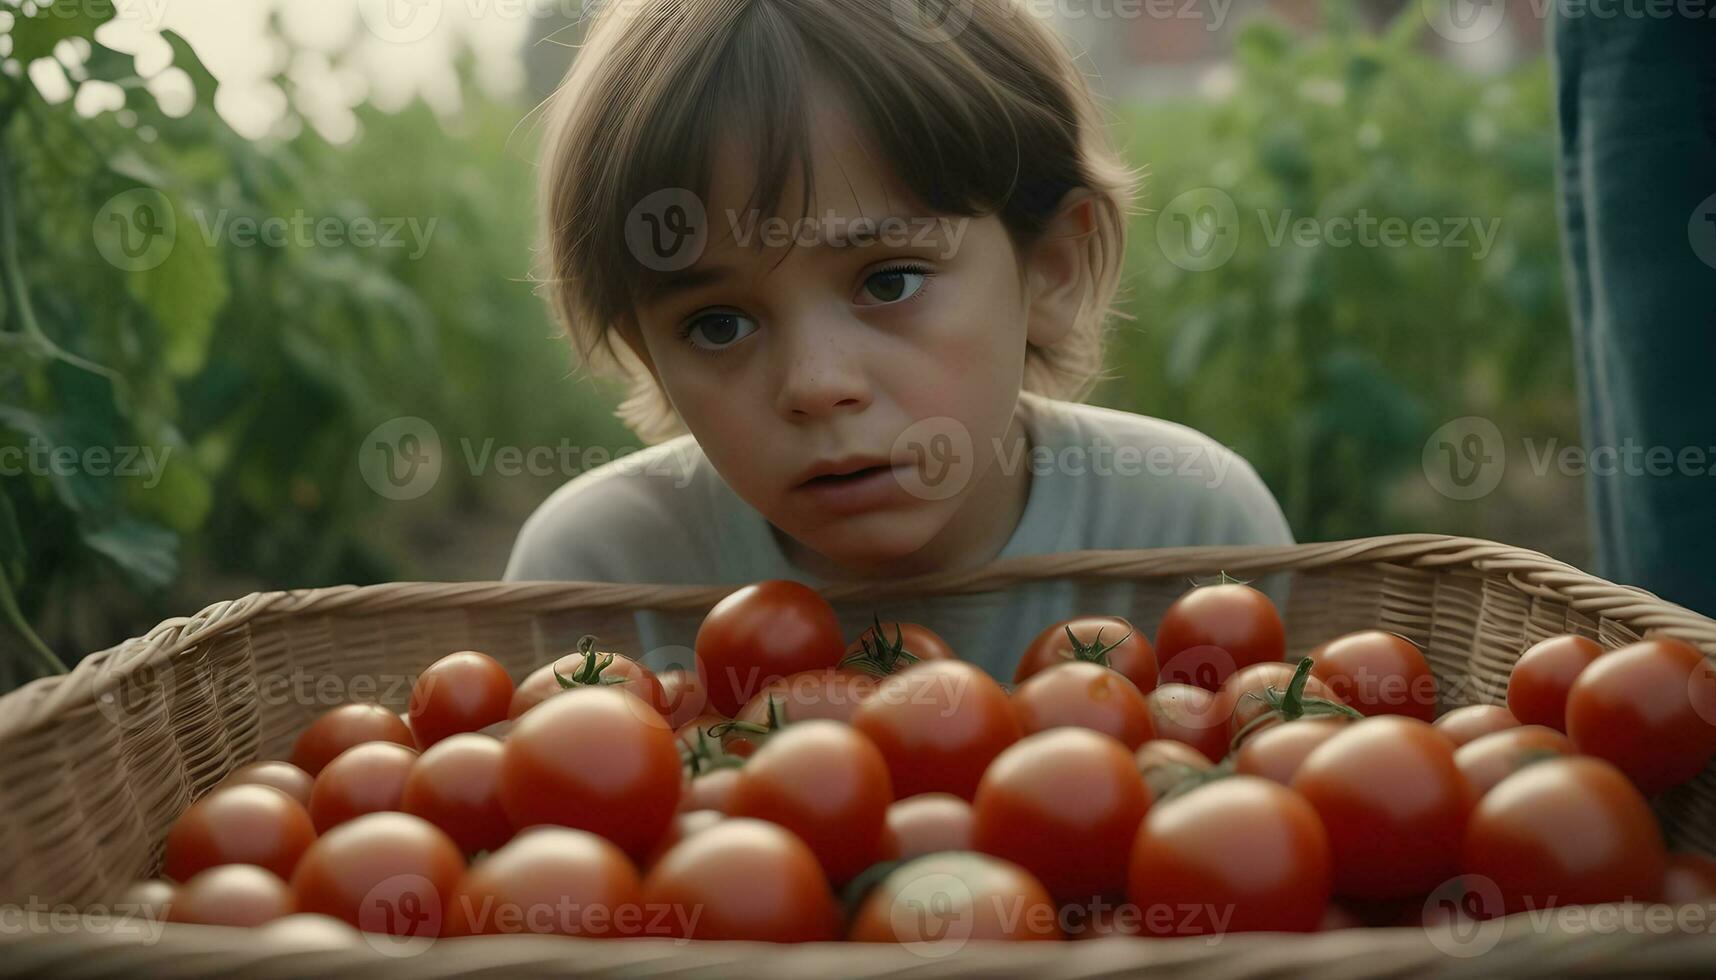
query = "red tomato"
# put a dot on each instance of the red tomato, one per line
(1537, 687)
(343, 727)
(1394, 805)
(1570, 831)
(949, 899)
(1649, 708)
(1065, 805)
(1246, 697)
(938, 724)
(810, 694)
(1473, 721)
(1107, 641)
(760, 632)
(685, 823)
(1191, 715)
(1086, 695)
(283, 776)
(593, 759)
(231, 895)
(1276, 753)
(740, 879)
(712, 790)
(1491, 758)
(685, 695)
(1240, 854)
(551, 880)
(589, 667)
(383, 872)
(1689, 879)
(461, 692)
(1214, 630)
(1165, 764)
(900, 646)
(363, 779)
(826, 783)
(1378, 673)
(927, 823)
(455, 785)
(243, 824)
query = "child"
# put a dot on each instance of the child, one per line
(930, 317)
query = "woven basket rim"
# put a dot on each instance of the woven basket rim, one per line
(36, 703)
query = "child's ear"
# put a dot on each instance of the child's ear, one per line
(1057, 269)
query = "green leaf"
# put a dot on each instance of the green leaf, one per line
(147, 553)
(185, 59)
(35, 36)
(11, 542)
(184, 293)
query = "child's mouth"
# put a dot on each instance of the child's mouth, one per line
(831, 479)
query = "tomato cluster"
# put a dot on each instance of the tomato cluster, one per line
(797, 787)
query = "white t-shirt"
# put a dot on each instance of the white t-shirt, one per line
(1101, 479)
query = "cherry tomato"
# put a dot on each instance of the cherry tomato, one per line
(343, 727)
(1569, 831)
(150, 898)
(685, 695)
(740, 879)
(1065, 805)
(455, 785)
(810, 694)
(461, 692)
(589, 667)
(1240, 854)
(1378, 673)
(245, 824)
(1276, 753)
(283, 776)
(1165, 764)
(685, 823)
(1394, 805)
(1489, 759)
(1246, 696)
(363, 779)
(382, 872)
(927, 823)
(712, 790)
(551, 880)
(1107, 641)
(1191, 715)
(232, 895)
(1689, 879)
(938, 724)
(826, 783)
(1649, 708)
(1462, 725)
(1086, 695)
(948, 899)
(1537, 687)
(1214, 630)
(760, 632)
(901, 645)
(593, 759)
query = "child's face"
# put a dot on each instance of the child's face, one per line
(802, 358)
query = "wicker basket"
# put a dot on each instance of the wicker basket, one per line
(97, 764)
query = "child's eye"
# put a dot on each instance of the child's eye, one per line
(721, 330)
(895, 283)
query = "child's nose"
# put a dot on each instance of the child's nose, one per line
(822, 376)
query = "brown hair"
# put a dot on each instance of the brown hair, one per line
(986, 114)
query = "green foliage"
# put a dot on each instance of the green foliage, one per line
(1327, 366)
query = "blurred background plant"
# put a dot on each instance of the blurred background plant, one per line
(253, 371)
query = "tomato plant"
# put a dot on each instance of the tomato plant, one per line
(938, 723)
(1214, 630)
(340, 728)
(552, 880)
(1065, 805)
(760, 632)
(740, 879)
(382, 872)
(951, 898)
(589, 667)
(244, 824)
(1238, 854)
(1108, 641)
(1377, 673)
(363, 779)
(1649, 708)
(455, 785)
(1086, 695)
(461, 692)
(1538, 684)
(876, 653)
(1191, 715)
(825, 782)
(231, 895)
(1262, 695)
